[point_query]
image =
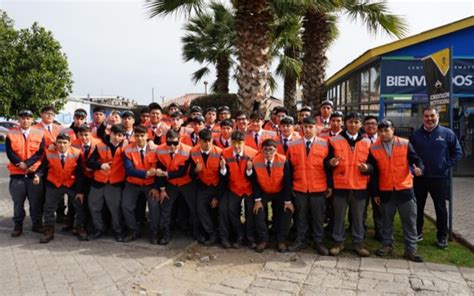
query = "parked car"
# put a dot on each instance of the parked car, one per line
(4, 127)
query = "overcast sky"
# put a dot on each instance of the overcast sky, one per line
(114, 49)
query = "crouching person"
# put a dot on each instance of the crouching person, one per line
(271, 181)
(392, 187)
(64, 176)
(139, 163)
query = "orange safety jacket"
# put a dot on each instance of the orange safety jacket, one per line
(180, 157)
(265, 134)
(49, 137)
(309, 174)
(238, 183)
(394, 171)
(295, 136)
(132, 152)
(116, 174)
(273, 183)
(209, 175)
(58, 174)
(78, 145)
(24, 149)
(219, 143)
(347, 174)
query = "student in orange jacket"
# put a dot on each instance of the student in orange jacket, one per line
(184, 132)
(64, 176)
(336, 124)
(210, 124)
(287, 134)
(223, 139)
(256, 134)
(204, 170)
(109, 176)
(271, 182)
(139, 160)
(241, 122)
(157, 128)
(236, 167)
(25, 148)
(304, 112)
(349, 152)
(311, 185)
(175, 183)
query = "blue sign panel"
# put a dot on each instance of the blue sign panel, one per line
(406, 77)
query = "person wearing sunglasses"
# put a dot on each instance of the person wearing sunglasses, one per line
(174, 181)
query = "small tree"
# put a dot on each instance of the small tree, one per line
(34, 71)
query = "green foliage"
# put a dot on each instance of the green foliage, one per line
(217, 100)
(34, 71)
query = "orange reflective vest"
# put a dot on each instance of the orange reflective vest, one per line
(270, 126)
(220, 143)
(180, 157)
(308, 169)
(250, 138)
(78, 145)
(295, 136)
(24, 149)
(394, 171)
(132, 152)
(238, 182)
(347, 175)
(49, 136)
(210, 172)
(116, 174)
(272, 183)
(61, 175)
(326, 134)
(164, 128)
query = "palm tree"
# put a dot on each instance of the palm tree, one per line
(320, 16)
(209, 39)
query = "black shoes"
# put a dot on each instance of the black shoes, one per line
(154, 238)
(98, 234)
(119, 237)
(38, 227)
(131, 236)
(321, 249)
(165, 240)
(226, 244)
(442, 243)
(17, 230)
(48, 234)
(297, 246)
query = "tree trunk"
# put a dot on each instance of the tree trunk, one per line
(289, 86)
(222, 81)
(253, 19)
(315, 43)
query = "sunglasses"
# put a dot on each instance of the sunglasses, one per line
(172, 143)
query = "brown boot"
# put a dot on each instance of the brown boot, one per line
(282, 247)
(48, 234)
(38, 227)
(82, 233)
(361, 250)
(261, 247)
(18, 230)
(336, 249)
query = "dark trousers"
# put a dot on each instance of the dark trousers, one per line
(53, 196)
(204, 196)
(439, 192)
(230, 207)
(82, 209)
(22, 188)
(130, 195)
(306, 204)
(188, 193)
(111, 196)
(343, 199)
(281, 219)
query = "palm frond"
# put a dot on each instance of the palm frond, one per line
(177, 7)
(199, 74)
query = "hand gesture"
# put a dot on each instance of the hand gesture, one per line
(289, 207)
(80, 198)
(334, 162)
(154, 194)
(22, 165)
(328, 193)
(105, 166)
(214, 203)
(198, 167)
(377, 200)
(151, 172)
(36, 180)
(163, 196)
(222, 163)
(257, 207)
(418, 172)
(363, 168)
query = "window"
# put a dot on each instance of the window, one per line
(374, 89)
(364, 86)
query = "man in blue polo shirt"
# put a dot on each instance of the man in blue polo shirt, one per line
(439, 149)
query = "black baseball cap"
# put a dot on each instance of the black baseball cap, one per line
(25, 113)
(128, 113)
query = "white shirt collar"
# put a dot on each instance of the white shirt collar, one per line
(46, 125)
(205, 152)
(306, 140)
(87, 144)
(353, 137)
(144, 148)
(25, 131)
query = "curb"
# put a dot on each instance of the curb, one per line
(458, 237)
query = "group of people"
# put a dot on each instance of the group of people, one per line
(234, 181)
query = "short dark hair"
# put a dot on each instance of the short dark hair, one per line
(128, 113)
(205, 134)
(144, 110)
(80, 112)
(431, 108)
(176, 114)
(280, 109)
(98, 109)
(172, 134)
(63, 136)
(48, 108)
(370, 117)
(309, 120)
(155, 106)
(352, 115)
(269, 143)
(227, 122)
(287, 120)
(211, 109)
(237, 136)
(336, 114)
(240, 113)
(385, 123)
(257, 115)
(117, 129)
(140, 129)
(84, 128)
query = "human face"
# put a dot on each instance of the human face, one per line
(269, 152)
(353, 125)
(226, 131)
(279, 117)
(173, 109)
(326, 111)
(99, 117)
(386, 134)
(224, 115)
(172, 144)
(140, 139)
(256, 124)
(116, 138)
(144, 118)
(62, 145)
(79, 120)
(85, 137)
(25, 122)
(176, 122)
(242, 122)
(303, 115)
(336, 124)
(309, 130)
(211, 117)
(48, 117)
(238, 146)
(128, 122)
(370, 127)
(430, 119)
(198, 126)
(155, 116)
(205, 144)
(114, 119)
(286, 130)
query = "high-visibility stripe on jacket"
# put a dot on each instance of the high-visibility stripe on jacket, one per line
(347, 174)
(272, 183)
(394, 171)
(295, 136)
(326, 134)
(24, 149)
(88, 173)
(132, 152)
(250, 139)
(238, 182)
(308, 169)
(210, 172)
(49, 137)
(58, 174)
(180, 157)
(116, 174)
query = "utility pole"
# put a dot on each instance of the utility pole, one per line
(153, 94)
